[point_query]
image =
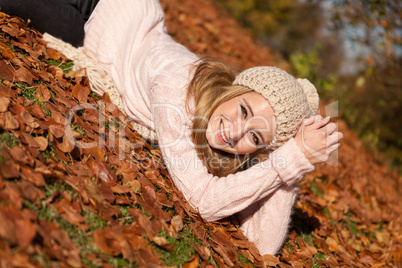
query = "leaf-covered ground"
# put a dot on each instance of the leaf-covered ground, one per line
(114, 205)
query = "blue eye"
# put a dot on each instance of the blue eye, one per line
(243, 111)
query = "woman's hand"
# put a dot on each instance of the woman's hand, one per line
(318, 139)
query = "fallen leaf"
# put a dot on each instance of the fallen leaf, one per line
(28, 119)
(6, 71)
(42, 93)
(9, 170)
(177, 223)
(192, 263)
(42, 142)
(31, 192)
(270, 260)
(163, 243)
(24, 75)
(66, 146)
(57, 130)
(29, 140)
(332, 244)
(19, 154)
(4, 102)
(9, 122)
(103, 171)
(81, 93)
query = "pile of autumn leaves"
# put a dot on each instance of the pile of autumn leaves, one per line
(336, 222)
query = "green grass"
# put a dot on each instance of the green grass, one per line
(29, 92)
(75, 127)
(50, 152)
(308, 238)
(95, 96)
(183, 247)
(319, 256)
(244, 259)
(8, 139)
(351, 224)
(125, 218)
(326, 211)
(315, 189)
(66, 66)
(82, 239)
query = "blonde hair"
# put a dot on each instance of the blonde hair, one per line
(210, 87)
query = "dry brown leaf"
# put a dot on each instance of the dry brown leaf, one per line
(103, 172)
(177, 223)
(163, 243)
(28, 119)
(203, 251)
(28, 139)
(42, 142)
(4, 102)
(13, 31)
(9, 121)
(103, 242)
(332, 244)
(120, 189)
(194, 262)
(36, 111)
(9, 170)
(66, 146)
(6, 51)
(135, 185)
(270, 260)
(57, 130)
(32, 176)
(24, 75)
(81, 93)
(70, 215)
(42, 93)
(31, 192)
(6, 71)
(19, 154)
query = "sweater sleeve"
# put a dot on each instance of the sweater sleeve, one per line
(219, 197)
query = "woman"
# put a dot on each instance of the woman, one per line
(210, 122)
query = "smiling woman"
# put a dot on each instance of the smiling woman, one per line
(237, 128)
(211, 123)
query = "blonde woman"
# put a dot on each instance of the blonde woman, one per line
(210, 122)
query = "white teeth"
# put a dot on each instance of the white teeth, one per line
(223, 134)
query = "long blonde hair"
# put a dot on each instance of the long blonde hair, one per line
(210, 87)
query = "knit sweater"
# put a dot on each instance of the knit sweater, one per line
(151, 72)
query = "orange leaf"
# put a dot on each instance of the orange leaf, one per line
(4, 102)
(332, 244)
(192, 263)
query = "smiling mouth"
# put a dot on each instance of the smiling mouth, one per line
(222, 134)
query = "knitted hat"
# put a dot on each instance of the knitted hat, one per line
(291, 99)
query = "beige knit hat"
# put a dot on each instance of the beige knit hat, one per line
(291, 99)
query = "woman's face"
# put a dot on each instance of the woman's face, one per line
(242, 125)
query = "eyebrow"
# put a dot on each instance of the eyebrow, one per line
(251, 111)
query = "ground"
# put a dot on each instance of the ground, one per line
(115, 205)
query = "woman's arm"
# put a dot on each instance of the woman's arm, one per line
(218, 197)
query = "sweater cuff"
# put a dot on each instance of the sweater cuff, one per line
(290, 163)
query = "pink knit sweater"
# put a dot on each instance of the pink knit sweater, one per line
(151, 72)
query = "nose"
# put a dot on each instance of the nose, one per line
(238, 132)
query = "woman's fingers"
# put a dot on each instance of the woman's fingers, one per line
(333, 148)
(311, 120)
(330, 128)
(334, 138)
(308, 121)
(319, 123)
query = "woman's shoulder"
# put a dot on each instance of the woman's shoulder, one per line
(117, 23)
